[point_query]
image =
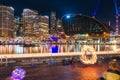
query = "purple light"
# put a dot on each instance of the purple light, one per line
(54, 38)
(18, 74)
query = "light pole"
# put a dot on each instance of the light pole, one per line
(60, 26)
(68, 18)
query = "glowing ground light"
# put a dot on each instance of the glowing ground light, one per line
(18, 73)
(88, 50)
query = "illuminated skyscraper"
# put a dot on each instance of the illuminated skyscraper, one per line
(34, 24)
(44, 21)
(52, 22)
(40, 27)
(7, 21)
(29, 19)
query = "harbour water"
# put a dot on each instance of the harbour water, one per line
(77, 71)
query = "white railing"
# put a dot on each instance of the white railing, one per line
(28, 55)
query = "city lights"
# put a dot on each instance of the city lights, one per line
(59, 40)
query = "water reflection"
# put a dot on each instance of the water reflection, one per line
(47, 48)
(88, 73)
(60, 72)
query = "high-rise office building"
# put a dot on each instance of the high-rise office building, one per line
(40, 27)
(7, 21)
(19, 27)
(34, 24)
(53, 23)
(44, 25)
(29, 18)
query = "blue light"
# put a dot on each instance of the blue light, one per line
(68, 16)
(54, 38)
(116, 7)
(96, 7)
(54, 49)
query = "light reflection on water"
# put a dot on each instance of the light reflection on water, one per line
(19, 49)
(88, 73)
(11, 49)
(69, 72)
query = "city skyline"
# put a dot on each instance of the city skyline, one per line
(103, 10)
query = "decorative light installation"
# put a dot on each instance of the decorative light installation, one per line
(88, 56)
(54, 45)
(18, 73)
(54, 49)
(54, 38)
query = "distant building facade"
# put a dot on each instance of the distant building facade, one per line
(83, 24)
(53, 23)
(59, 26)
(34, 24)
(7, 21)
(28, 20)
(44, 25)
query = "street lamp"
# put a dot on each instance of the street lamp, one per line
(71, 27)
(60, 21)
(69, 24)
(67, 16)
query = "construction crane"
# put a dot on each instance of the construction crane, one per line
(117, 15)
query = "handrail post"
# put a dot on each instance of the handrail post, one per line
(1, 60)
(6, 61)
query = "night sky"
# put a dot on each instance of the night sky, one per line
(104, 10)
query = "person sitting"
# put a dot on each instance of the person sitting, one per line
(112, 73)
